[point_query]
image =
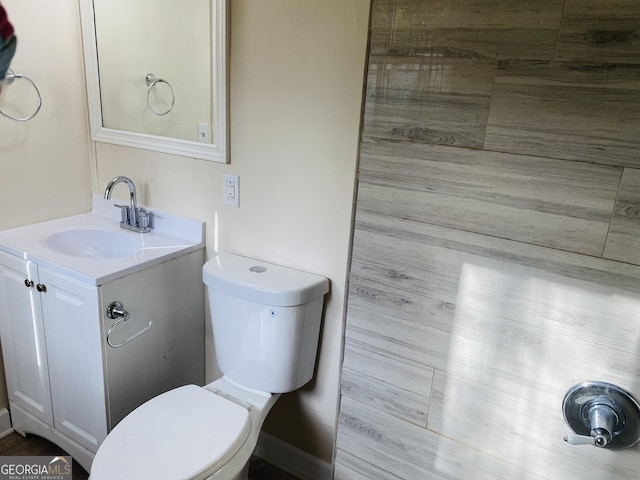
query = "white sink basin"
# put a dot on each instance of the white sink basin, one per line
(93, 243)
(93, 249)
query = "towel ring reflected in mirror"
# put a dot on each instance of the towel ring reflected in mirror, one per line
(9, 78)
(152, 81)
(108, 124)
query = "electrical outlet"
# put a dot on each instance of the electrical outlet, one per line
(203, 132)
(231, 190)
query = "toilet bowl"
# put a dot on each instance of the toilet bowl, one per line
(190, 432)
(266, 321)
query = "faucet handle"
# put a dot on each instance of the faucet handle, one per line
(145, 218)
(125, 214)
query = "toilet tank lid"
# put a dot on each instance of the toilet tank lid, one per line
(262, 282)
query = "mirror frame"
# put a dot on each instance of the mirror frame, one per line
(217, 152)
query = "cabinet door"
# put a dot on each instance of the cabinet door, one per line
(74, 353)
(22, 336)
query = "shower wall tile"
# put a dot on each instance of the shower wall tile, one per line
(385, 441)
(465, 303)
(389, 382)
(400, 321)
(565, 205)
(623, 368)
(387, 444)
(502, 330)
(494, 258)
(583, 112)
(600, 31)
(525, 431)
(441, 101)
(350, 467)
(466, 28)
(623, 241)
(397, 258)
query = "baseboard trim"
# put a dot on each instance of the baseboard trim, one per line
(5, 423)
(291, 459)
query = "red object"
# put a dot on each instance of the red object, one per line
(6, 29)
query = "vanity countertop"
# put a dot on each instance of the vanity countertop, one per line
(171, 237)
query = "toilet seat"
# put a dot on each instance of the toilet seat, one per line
(187, 433)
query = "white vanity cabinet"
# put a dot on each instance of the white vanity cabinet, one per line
(96, 319)
(71, 317)
(50, 331)
(22, 336)
(65, 381)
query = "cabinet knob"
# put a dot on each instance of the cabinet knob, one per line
(41, 287)
(28, 283)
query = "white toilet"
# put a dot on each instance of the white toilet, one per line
(266, 321)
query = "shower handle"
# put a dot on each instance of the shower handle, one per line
(601, 414)
(602, 420)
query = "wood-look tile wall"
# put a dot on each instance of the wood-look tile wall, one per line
(496, 250)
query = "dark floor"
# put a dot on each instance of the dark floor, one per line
(15, 444)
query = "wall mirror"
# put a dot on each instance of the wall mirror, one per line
(157, 74)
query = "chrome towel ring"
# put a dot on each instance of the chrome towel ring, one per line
(152, 81)
(8, 79)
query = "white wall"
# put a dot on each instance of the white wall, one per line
(296, 88)
(45, 162)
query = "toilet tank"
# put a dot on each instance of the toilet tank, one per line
(266, 321)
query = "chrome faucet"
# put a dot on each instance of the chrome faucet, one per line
(131, 217)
